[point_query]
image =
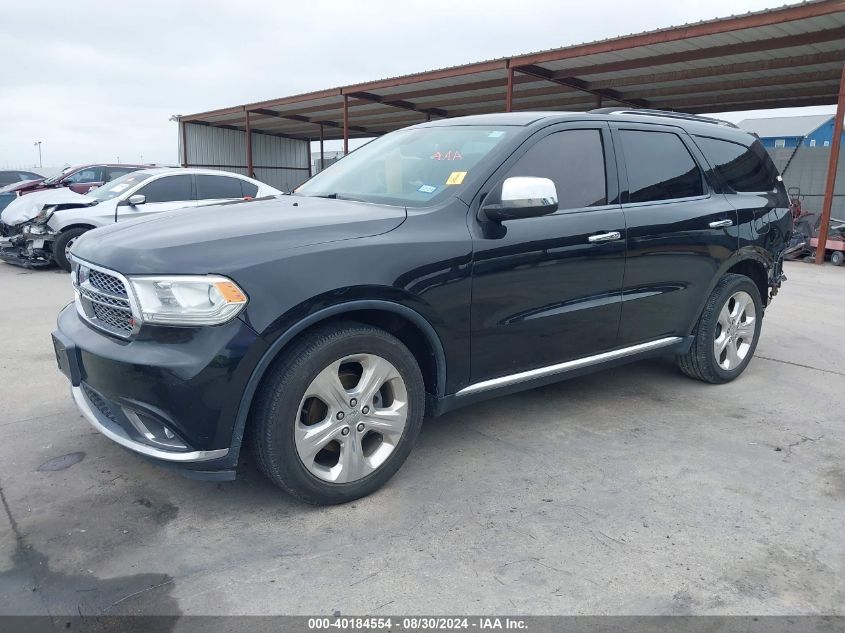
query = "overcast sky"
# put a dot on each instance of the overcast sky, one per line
(96, 80)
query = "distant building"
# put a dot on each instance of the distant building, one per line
(791, 131)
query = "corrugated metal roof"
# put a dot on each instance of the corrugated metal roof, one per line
(789, 56)
(785, 126)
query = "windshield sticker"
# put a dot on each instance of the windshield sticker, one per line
(456, 178)
(450, 155)
(119, 188)
(495, 134)
(427, 189)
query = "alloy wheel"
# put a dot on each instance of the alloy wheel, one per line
(351, 418)
(735, 330)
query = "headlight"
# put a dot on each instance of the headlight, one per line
(44, 215)
(188, 300)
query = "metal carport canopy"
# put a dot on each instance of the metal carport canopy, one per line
(785, 57)
(790, 56)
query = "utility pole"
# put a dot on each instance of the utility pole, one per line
(38, 143)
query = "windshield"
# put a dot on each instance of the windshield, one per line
(117, 186)
(410, 167)
(57, 177)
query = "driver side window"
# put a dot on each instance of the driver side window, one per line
(168, 189)
(574, 161)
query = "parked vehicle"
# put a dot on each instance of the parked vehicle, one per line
(436, 266)
(14, 176)
(81, 179)
(42, 227)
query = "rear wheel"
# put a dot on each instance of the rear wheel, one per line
(837, 257)
(64, 242)
(726, 335)
(339, 414)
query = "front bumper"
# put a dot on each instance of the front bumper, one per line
(24, 247)
(188, 381)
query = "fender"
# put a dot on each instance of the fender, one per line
(288, 335)
(746, 253)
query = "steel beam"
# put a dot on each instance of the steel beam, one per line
(832, 165)
(396, 103)
(580, 85)
(322, 154)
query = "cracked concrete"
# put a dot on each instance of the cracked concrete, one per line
(632, 491)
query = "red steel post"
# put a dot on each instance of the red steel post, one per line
(832, 164)
(345, 125)
(249, 170)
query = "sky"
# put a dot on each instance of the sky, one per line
(98, 81)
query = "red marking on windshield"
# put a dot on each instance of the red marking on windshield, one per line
(450, 155)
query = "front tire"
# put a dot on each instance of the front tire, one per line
(727, 332)
(64, 242)
(338, 414)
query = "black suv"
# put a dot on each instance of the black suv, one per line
(436, 266)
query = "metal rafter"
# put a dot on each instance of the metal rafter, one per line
(398, 103)
(580, 85)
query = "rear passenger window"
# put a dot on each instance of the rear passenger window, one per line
(742, 168)
(660, 167)
(574, 161)
(214, 187)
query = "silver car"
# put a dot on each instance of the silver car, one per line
(40, 228)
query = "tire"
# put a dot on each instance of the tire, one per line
(837, 257)
(296, 433)
(62, 245)
(702, 361)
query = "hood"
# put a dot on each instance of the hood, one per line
(22, 185)
(24, 208)
(228, 237)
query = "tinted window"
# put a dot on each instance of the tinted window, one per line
(212, 187)
(248, 189)
(574, 161)
(741, 168)
(659, 167)
(117, 172)
(168, 189)
(88, 174)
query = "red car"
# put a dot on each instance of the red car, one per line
(81, 179)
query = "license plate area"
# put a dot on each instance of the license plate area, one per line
(66, 359)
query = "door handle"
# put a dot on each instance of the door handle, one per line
(604, 237)
(720, 224)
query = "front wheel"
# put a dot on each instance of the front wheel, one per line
(61, 247)
(726, 334)
(339, 414)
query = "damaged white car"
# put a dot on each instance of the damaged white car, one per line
(40, 228)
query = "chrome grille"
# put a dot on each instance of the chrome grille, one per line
(102, 299)
(108, 283)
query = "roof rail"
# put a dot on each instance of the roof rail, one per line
(665, 113)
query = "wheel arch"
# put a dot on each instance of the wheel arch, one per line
(408, 325)
(76, 225)
(750, 262)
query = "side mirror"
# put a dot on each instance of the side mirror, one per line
(137, 199)
(520, 197)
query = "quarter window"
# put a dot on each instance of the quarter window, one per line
(117, 172)
(216, 187)
(168, 189)
(660, 167)
(743, 169)
(574, 161)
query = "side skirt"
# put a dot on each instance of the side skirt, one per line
(540, 376)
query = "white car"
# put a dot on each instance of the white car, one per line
(41, 227)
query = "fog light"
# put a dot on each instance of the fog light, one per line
(154, 431)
